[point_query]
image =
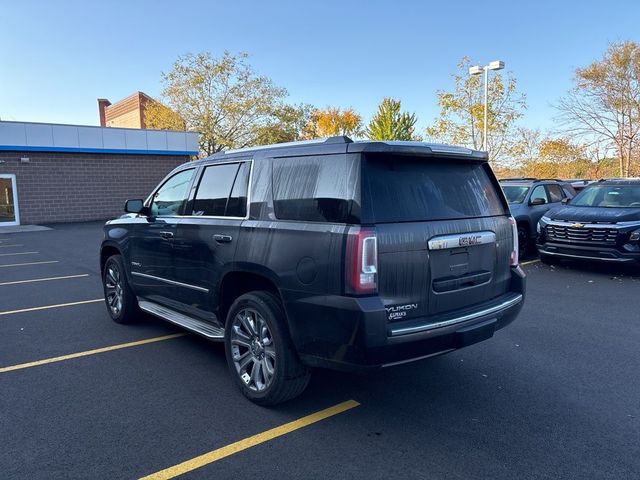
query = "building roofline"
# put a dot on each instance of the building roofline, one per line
(34, 136)
(94, 126)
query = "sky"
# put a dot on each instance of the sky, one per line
(58, 57)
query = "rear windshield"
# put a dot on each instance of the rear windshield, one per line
(406, 189)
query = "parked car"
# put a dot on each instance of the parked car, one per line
(529, 199)
(332, 253)
(601, 223)
(579, 183)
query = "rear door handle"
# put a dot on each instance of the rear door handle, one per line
(222, 238)
(166, 235)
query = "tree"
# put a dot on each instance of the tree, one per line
(604, 104)
(333, 121)
(389, 123)
(288, 125)
(221, 98)
(157, 115)
(462, 113)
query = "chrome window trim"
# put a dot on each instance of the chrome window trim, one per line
(170, 282)
(445, 323)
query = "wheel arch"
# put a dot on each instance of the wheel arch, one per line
(244, 278)
(107, 250)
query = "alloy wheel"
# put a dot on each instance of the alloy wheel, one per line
(114, 290)
(252, 349)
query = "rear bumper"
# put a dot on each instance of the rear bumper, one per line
(601, 254)
(354, 334)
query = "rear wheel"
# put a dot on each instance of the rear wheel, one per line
(121, 302)
(260, 354)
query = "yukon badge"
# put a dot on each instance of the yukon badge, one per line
(136, 264)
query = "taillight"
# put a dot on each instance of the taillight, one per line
(514, 252)
(362, 261)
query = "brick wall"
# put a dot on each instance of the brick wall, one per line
(73, 187)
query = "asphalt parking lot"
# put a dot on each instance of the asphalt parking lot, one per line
(555, 395)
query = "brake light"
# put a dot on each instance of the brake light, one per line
(514, 252)
(362, 261)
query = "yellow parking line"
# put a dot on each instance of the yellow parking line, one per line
(46, 307)
(14, 245)
(29, 263)
(249, 442)
(18, 253)
(530, 262)
(62, 358)
(44, 279)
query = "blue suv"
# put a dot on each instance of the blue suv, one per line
(529, 199)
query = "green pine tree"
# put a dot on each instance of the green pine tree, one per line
(389, 123)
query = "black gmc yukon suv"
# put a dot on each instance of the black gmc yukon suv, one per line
(328, 253)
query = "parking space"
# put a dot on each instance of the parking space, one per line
(554, 395)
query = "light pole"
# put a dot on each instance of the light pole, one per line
(477, 70)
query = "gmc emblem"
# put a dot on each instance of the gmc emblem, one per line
(468, 241)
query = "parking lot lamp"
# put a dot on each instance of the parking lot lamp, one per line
(477, 70)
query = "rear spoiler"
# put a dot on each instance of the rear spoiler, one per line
(417, 149)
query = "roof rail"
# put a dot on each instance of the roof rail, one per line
(315, 141)
(531, 179)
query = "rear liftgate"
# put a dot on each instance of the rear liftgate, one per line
(462, 267)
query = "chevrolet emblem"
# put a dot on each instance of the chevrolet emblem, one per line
(578, 225)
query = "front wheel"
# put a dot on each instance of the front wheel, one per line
(524, 241)
(121, 302)
(547, 259)
(260, 354)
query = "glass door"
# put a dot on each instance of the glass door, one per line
(8, 201)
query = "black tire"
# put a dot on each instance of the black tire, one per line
(524, 241)
(128, 311)
(547, 259)
(289, 376)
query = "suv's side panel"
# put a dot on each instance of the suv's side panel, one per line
(307, 256)
(205, 245)
(151, 252)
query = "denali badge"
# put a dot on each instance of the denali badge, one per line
(398, 311)
(462, 240)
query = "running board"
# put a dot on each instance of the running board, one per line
(196, 326)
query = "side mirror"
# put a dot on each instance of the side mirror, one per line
(133, 206)
(537, 201)
(566, 200)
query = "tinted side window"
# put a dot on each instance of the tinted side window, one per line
(539, 192)
(218, 194)
(568, 193)
(170, 197)
(319, 188)
(555, 193)
(237, 204)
